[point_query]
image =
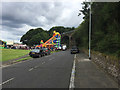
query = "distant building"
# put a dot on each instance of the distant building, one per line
(10, 43)
(19, 46)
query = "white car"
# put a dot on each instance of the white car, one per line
(64, 47)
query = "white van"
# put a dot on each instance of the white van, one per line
(64, 47)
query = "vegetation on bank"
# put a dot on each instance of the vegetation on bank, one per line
(9, 54)
(105, 28)
(23, 59)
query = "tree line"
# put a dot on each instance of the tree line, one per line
(34, 36)
(105, 27)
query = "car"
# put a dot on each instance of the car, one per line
(74, 50)
(64, 47)
(36, 53)
(13, 47)
(59, 48)
(46, 51)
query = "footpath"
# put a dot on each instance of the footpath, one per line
(89, 75)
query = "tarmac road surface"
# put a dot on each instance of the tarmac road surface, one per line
(55, 71)
(51, 71)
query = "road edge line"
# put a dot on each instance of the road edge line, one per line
(71, 86)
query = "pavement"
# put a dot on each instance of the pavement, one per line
(88, 75)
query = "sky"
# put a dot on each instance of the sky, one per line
(19, 17)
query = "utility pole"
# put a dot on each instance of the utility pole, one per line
(90, 31)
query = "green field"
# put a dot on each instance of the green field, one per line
(9, 54)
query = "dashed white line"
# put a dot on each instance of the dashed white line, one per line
(7, 81)
(75, 56)
(51, 59)
(36, 66)
(31, 69)
(71, 86)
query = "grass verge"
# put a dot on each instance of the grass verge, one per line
(23, 59)
(9, 54)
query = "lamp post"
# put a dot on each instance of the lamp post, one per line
(90, 31)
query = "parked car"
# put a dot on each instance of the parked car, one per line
(36, 53)
(74, 50)
(59, 48)
(46, 51)
(64, 47)
(13, 47)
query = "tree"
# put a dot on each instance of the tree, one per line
(105, 27)
(34, 36)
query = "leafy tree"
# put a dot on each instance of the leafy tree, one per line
(34, 36)
(105, 27)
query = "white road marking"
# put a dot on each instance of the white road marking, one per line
(36, 66)
(51, 58)
(31, 69)
(7, 81)
(71, 86)
(75, 56)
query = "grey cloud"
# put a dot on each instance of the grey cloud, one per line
(29, 13)
(11, 24)
(15, 15)
(13, 31)
(18, 34)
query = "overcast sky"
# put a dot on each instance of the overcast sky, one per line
(19, 17)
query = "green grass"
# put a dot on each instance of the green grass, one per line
(26, 58)
(9, 54)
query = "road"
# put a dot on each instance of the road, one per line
(56, 71)
(52, 71)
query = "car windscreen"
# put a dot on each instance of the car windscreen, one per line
(35, 50)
